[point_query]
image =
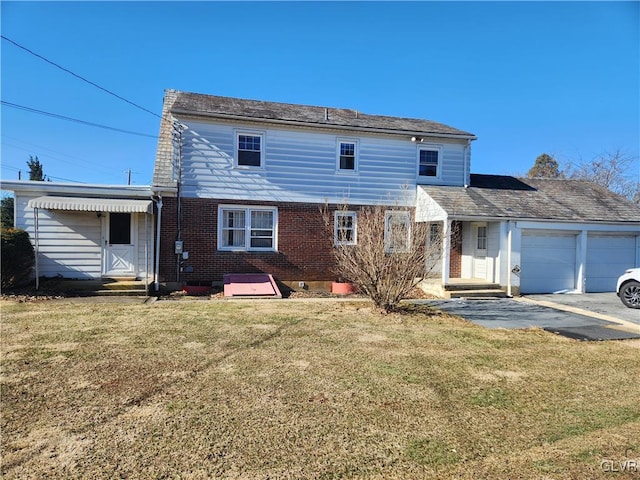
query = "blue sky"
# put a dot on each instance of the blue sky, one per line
(526, 78)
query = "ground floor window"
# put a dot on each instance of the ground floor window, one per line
(344, 228)
(397, 231)
(247, 228)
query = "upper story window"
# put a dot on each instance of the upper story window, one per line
(429, 162)
(249, 149)
(247, 228)
(344, 228)
(397, 231)
(347, 155)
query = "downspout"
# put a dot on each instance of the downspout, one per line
(156, 283)
(509, 272)
(178, 134)
(37, 248)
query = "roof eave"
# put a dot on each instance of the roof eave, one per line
(328, 126)
(32, 186)
(487, 218)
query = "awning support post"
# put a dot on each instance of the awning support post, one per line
(37, 244)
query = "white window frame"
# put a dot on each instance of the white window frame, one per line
(404, 217)
(435, 233)
(482, 240)
(429, 148)
(247, 228)
(336, 224)
(236, 157)
(356, 154)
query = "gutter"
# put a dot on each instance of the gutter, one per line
(484, 218)
(32, 186)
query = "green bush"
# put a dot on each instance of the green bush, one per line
(18, 257)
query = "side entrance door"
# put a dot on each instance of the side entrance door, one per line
(119, 245)
(480, 250)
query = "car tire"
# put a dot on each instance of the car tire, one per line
(630, 294)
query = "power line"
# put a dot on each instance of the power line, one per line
(84, 161)
(58, 159)
(16, 169)
(80, 77)
(76, 120)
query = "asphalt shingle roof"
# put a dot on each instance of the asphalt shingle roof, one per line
(497, 196)
(215, 106)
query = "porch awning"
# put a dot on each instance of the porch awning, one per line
(84, 204)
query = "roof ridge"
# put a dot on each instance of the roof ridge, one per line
(202, 103)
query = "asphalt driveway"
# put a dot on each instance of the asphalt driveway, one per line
(587, 318)
(606, 304)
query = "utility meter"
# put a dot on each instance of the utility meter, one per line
(178, 247)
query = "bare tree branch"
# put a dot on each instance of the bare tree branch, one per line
(391, 253)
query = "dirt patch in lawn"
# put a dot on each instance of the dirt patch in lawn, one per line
(297, 389)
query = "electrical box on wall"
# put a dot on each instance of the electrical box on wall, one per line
(178, 247)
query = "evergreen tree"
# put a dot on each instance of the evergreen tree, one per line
(35, 169)
(545, 167)
(6, 212)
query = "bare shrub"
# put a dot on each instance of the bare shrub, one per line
(382, 250)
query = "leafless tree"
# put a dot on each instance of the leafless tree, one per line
(613, 170)
(382, 250)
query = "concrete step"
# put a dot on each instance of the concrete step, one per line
(120, 292)
(471, 286)
(477, 293)
(122, 285)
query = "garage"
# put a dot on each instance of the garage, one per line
(548, 262)
(608, 256)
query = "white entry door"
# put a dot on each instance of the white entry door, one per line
(480, 250)
(119, 245)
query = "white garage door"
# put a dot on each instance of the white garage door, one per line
(548, 262)
(608, 256)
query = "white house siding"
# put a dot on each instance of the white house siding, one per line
(493, 252)
(70, 243)
(300, 166)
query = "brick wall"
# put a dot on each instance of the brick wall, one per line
(304, 247)
(455, 258)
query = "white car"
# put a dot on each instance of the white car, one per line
(628, 288)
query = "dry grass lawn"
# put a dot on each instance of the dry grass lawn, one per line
(305, 389)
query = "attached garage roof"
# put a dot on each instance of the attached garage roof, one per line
(84, 204)
(496, 196)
